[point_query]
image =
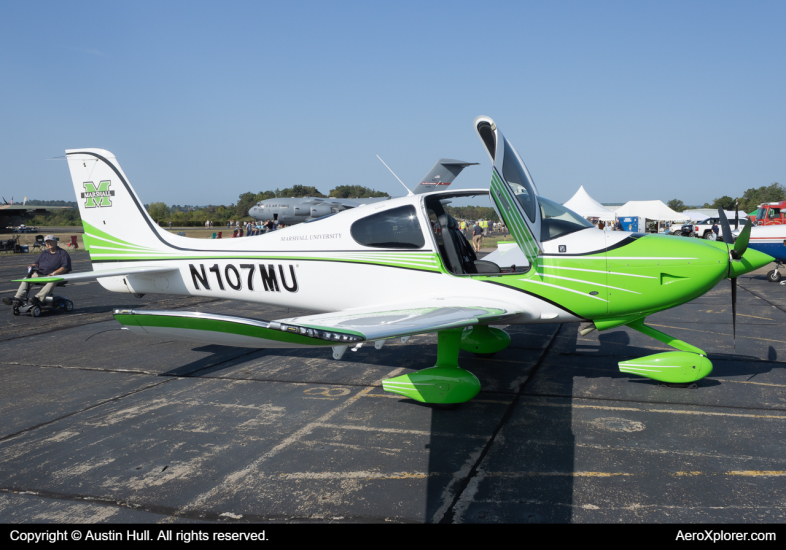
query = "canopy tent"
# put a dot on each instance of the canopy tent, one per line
(651, 210)
(702, 214)
(584, 205)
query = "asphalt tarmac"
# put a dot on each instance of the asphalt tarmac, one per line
(100, 425)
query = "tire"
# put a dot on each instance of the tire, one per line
(36, 311)
(708, 235)
(774, 276)
(69, 305)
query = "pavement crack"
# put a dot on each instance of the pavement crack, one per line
(91, 407)
(471, 481)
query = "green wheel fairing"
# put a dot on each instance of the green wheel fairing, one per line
(444, 383)
(673, 367)
(484, 340)
(213, 325)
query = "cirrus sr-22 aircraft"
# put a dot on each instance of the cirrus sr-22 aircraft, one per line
(399, 268)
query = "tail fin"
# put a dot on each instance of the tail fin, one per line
(114, 218)
(441, 175)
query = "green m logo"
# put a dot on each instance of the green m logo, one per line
(97, 196)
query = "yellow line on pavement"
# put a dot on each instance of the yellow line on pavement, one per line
(635, 409)
(746, 382)
(709, 332)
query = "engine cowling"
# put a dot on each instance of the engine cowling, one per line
(320, 210)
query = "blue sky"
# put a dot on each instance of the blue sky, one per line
(201, 101)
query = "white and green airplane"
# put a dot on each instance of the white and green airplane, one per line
(400, 268)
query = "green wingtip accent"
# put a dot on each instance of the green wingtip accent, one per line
(39, 280)
(673, 367)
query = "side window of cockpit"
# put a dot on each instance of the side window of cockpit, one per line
(394, 228)
(516, 175)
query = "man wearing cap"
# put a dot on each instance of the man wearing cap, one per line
(52, 261)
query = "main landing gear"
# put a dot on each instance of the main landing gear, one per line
(774, 276)
(446, 383)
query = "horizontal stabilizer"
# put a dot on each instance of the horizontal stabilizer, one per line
(120, 272)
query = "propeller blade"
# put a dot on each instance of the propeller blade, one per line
(736, 215)
(742, 241)
(734, 311)
(727, 237)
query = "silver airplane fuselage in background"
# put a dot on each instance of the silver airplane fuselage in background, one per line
(289, 211)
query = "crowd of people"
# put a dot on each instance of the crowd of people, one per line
(474, 231)
(251, 229)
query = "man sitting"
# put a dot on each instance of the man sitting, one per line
(52, 262)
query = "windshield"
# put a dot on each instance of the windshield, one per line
(558, 220)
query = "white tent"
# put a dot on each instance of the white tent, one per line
(702, 214)
(651, 210)
(581, 203)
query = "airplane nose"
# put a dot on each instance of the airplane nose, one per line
(750, 261)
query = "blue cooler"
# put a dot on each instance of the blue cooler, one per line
(25, 248)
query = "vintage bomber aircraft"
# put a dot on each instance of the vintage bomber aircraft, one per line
(401, 268)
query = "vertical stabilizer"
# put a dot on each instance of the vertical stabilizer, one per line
(441, 175)
(114, 218)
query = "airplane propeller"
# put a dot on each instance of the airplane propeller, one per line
(736, 250)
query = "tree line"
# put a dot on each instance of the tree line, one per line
(220, 214)
(198, 215)
(750, 199)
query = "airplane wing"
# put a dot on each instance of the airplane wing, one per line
(343, 328)
(98, 274)
(404, 319)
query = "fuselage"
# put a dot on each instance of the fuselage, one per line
(347, 261)
(769, 239)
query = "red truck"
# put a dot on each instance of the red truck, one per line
(770, 213)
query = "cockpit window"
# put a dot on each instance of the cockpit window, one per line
(394, 228)
(516, 175)
(558, 220)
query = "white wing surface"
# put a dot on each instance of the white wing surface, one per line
(405, 319)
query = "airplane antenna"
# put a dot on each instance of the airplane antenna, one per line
(394, 174)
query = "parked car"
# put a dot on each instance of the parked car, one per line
(703, 229)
